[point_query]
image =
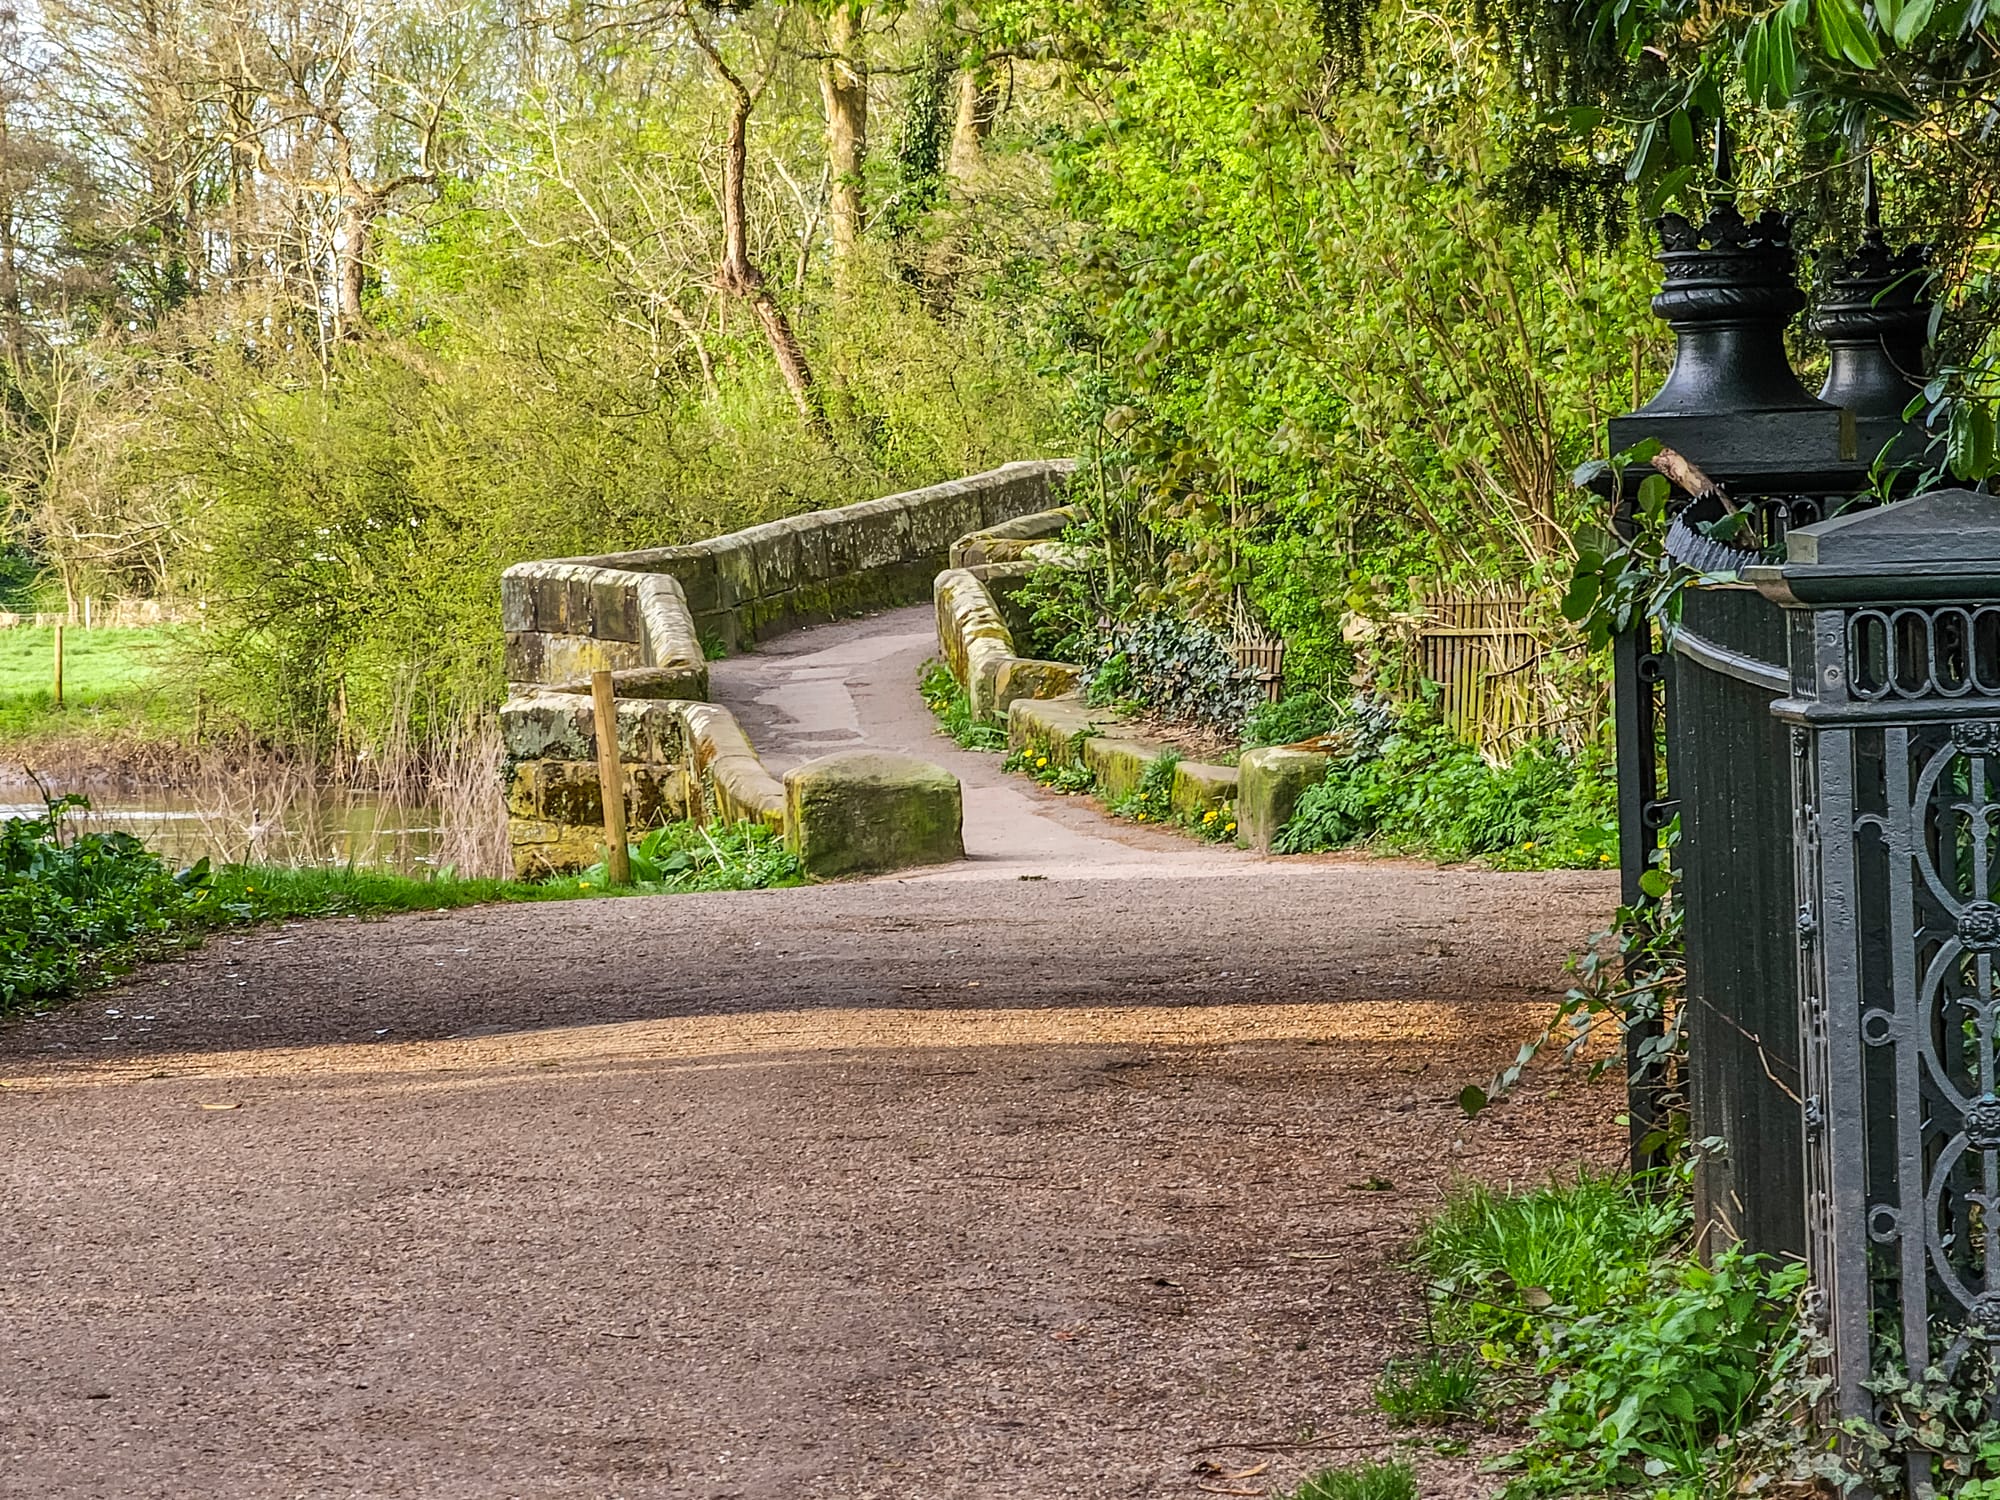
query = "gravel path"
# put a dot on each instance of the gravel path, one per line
(962, 1185)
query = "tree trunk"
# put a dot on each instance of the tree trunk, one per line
(978, 102)
(357, 219)
(740, 278)
(843, 85)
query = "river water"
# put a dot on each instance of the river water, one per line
(334, 828)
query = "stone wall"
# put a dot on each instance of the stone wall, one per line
(751, 585)
(976, 641)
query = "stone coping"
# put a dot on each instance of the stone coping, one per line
(752, 584)
(976, 642)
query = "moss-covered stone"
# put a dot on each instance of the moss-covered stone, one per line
(861, 811)
(1268, 787)
(1052, 727)
(568, 791)
(1118, 763)
(1199, 786)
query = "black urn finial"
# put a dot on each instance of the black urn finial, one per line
(1875, 320)
(1729, 292)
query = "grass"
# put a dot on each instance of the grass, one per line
(948, 701)
(80, 908)
(119, 679)
(1433, 1389)
(1390, 1480)
(1500, 1266)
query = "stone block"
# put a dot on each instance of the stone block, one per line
(861, 811)
(1023, 677)
(541, 849)
(1051, 727)
(1118, 764)
(567, 792)
(1199, 786)
(1269, 784)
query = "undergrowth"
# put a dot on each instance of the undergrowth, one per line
(79, 909)
(1152, 801)
(1650, 1372)
(1499, 1265)
(1418, 789)
(1390, 1480)
(1068, 777)
(948, 701)
(691, 857)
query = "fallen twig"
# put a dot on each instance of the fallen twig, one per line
(1294, 1447)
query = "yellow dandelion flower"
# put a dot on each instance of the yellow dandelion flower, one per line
(1229, 828)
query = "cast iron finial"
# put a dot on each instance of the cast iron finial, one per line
(1875, 319)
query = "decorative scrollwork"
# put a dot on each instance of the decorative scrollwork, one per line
(1979, 927)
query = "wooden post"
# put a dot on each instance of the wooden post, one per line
(610, 779)
(59, 665)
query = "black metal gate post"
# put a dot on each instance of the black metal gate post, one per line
(1777, 457)
(1893, 716)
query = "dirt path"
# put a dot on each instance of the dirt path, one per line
(943, 1188)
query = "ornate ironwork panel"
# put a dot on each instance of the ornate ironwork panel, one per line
(1895, 714)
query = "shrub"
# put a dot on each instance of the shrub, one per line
(78, 907)
(1301, 716)
(1424, 791)
(1181, 669)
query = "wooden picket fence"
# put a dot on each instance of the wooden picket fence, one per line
(1488, 662)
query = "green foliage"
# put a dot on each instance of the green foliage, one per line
(693, 857)
(1152, 800)
(1503, 1268)
(1433, 1389)
(1644, 1392)
(1314, 337)
(1945, 1420)
(1295, 717)
(946, 699)
(1389, 1480)
(1423, 791)
(79, 908)
(1110, 683)
(19, 575)
(1178, 668)
(1068, 777)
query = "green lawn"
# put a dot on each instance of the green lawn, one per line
(112, 679)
